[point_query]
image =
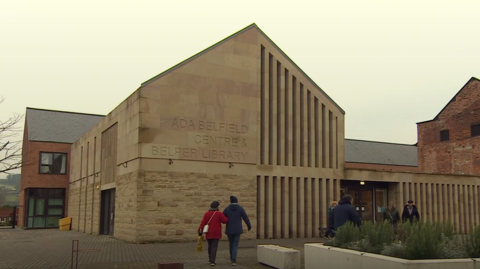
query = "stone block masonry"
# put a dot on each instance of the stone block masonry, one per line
(84, 205)
(126, 207)
(170, 205)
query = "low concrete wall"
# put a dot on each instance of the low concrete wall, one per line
(318, 255)
(278, 257)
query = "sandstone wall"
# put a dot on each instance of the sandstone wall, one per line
(171, 204)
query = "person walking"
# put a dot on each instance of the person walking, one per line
(330, 221)
(391, 215)
(235, 213)
(410, 212)
(345, 212)
(214, 219)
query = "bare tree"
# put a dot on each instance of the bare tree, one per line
(10, 145)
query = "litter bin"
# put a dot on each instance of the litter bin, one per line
(65, 224)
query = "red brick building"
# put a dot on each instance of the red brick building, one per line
(47, 140)
(450, 143)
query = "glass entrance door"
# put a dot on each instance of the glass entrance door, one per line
(380, 203)
(369, 198)
(365, 201)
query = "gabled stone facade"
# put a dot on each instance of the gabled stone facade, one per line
(239, 118)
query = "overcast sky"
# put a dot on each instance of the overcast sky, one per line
(388, 64)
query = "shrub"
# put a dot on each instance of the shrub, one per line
(367, 228)
(472, 242)
(417, 240)
(329, 242)
(452, 248)
(362, 245)
(383, 236)
(422, 242)
(400, 233)
(345, 235)
(396, 249)
(445, 228)
(374, 237)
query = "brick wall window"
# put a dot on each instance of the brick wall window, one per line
(475, 129)
(53, 163)
(444, 135)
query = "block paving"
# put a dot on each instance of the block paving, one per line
(51, 248)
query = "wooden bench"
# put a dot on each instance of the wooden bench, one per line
(278, 256)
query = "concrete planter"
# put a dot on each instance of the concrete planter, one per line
(278, 257)
(317, 255)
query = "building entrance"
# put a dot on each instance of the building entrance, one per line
(107, 219)
(369, 198)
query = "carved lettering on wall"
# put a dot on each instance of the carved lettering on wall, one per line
(204, 125)
(206, 140)
(201, 153)
(223, 141)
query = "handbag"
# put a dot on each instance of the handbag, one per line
(205, 228)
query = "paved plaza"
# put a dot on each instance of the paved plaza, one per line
(51, 248)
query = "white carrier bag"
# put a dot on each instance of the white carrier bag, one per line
(205, 228)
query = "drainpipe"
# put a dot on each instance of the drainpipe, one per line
(80, 195)
(94, 175)
(86, 192)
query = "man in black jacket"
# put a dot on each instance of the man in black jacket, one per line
(410, 212)
(235, 214)
(344, 212)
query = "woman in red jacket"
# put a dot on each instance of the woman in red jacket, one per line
(214, 218)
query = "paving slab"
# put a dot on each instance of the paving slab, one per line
(51, 248)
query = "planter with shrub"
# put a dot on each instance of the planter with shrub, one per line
(417, 245)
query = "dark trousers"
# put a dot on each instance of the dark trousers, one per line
(330, 232)
(233, 240)
(212, 249)
(395, 225)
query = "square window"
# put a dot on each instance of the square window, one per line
(53, 163)
(475, 129)
(444, 135)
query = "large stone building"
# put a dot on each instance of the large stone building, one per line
(240, 118)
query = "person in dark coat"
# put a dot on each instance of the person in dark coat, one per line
(330, 221)
(345, 212)
(391, 215)
(410, 212)
(214, 218)
(235, 213)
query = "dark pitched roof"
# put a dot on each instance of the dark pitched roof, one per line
(58, 126)
(253, 25)
(451, 100)
(359, 151)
